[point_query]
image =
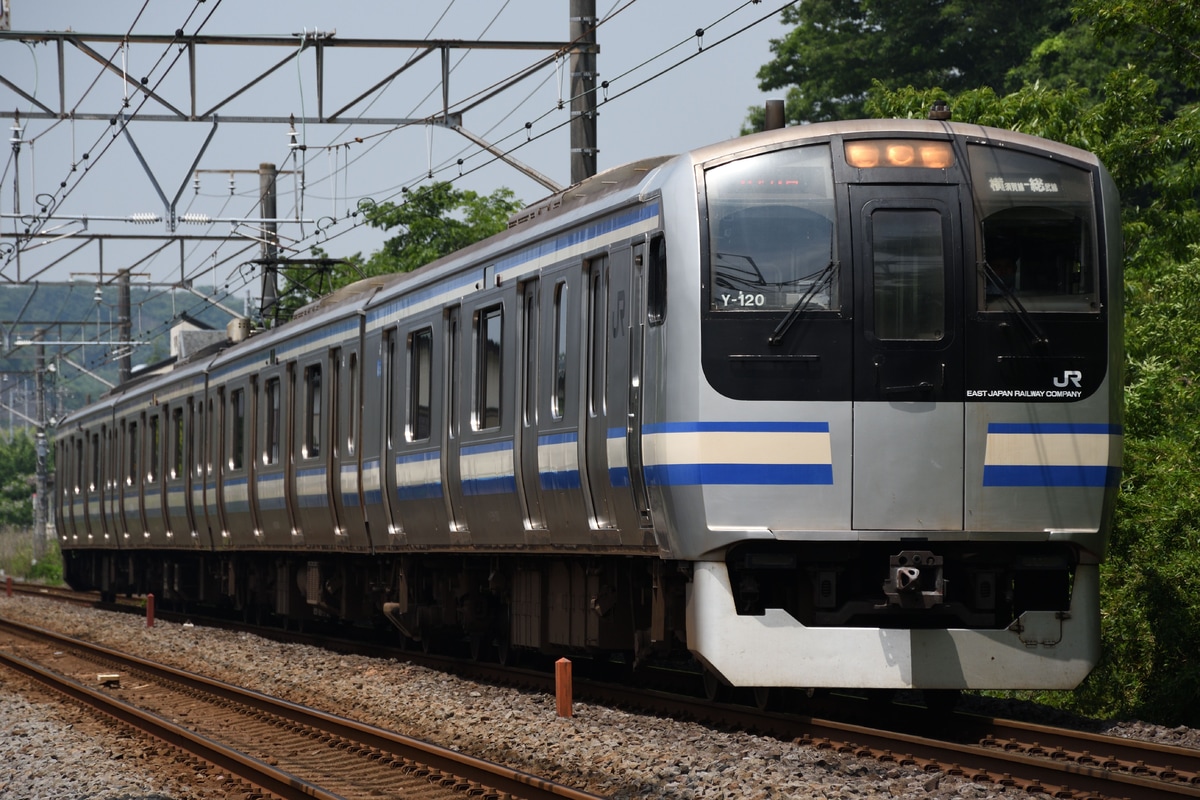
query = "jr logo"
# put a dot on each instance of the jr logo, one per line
(1071, 377)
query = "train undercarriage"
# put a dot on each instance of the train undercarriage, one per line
(607, 605)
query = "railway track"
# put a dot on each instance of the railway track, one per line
(1058, 762)
(285, 749)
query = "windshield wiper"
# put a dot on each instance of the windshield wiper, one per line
(754, 278)
(1039, 338)
(823, 279)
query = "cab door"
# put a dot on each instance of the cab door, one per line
(908, 362)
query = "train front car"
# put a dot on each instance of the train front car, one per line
(897, 465)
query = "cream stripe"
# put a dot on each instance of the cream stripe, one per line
(1051, 449)
(737, 447)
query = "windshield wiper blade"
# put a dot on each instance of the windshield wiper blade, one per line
(1039, 338)
(785, 324)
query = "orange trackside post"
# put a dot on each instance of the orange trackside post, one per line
(562, 683)
(149, 611)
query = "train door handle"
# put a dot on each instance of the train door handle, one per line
(923, 386)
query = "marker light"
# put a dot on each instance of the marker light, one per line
(870, 153)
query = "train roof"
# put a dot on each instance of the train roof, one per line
(884, 127)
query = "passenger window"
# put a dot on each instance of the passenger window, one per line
(95, 463)
(177, 443)
(153, 444)
(78, 465)
(420, 385)
(558, 400)
(489, 353)
(389, 391)
(271, 450)
(237, 414)
(312, 419)
(132, 479)
(352, 411)
(656, 282)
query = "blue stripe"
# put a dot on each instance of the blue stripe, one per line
(1035, 475)
(418, 491)
(412, 458)
(272, 503)
(618, 476)
(616, 433)
(565, 479)
(740, 474)
(502, 484)
(373, 497)
(736, 427)
(313, 501)
(1054, 427)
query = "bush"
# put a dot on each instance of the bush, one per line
(16, 557)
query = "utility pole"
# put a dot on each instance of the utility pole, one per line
(270, 240)
(124, 329)
(41, 501)
(583, 90)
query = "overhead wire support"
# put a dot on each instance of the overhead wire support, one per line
(318, 43)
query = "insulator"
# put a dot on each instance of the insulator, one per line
(195, 218)
(144, 218)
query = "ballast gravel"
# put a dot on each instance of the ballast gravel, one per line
(47, 754)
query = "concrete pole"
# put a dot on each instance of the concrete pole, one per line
(124, 329)
(270, 242)
(583, 90)
(41, 502)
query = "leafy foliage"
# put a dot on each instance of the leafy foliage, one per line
(837, 49)
(18, 462)
(433, 221)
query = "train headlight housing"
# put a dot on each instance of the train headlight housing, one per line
(872, 153)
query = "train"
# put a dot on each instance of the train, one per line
(825, 406)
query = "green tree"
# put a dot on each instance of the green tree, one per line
(18, 462)
(433, 221)
(838, 48)
(1159, 34)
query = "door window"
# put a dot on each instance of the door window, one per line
(908, 265)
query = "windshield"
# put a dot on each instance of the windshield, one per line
(1037, 232)
(771, 231)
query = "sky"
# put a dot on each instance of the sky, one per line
(669, 91)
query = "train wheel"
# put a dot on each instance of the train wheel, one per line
(506, 654)
(715, 689)
(476, 646)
